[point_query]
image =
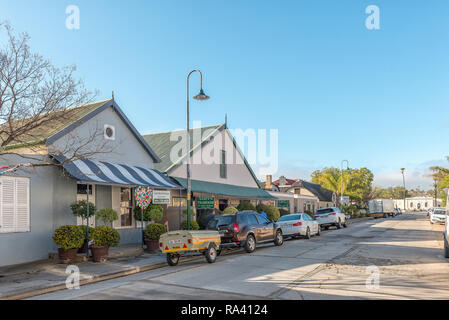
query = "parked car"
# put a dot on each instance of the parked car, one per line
(438, 215)
(299, 224)
(246, 229)
(332, 216)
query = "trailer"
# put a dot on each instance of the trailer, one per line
(381, 208)
(182, 242)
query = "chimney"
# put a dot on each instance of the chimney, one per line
(282, 181)
(268, 184)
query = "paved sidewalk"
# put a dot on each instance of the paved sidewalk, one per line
(22, 281)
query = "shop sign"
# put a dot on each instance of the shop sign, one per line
(205, 202)
(161, 197)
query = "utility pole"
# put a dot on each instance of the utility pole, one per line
(405, 191)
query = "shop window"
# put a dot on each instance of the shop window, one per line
(411, 204)
(82, 189)
(176, 202)
(14, 205)
(126, 207)
(223, 167)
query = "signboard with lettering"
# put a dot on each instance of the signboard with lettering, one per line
(161, 197)
(283, 204)
(205, 203)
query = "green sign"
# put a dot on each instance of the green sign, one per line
(284, 204)
(205, 203)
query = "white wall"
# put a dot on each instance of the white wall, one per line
(237, 172)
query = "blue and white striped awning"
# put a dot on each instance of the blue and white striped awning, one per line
(99, 172)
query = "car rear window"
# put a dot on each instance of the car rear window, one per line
(290, 218)
(439, 211)
(322, 211)
(221, 221)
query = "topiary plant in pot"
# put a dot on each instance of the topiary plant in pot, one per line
(85, 245)
(103, 237)
(69, 239)
(152, 233)
(193, 225)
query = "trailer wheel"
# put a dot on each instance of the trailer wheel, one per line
(211, 254)
(172, 259)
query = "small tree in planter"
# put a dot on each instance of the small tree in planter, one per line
(152, 234)
(107, 216)
(154, 212)
(193, 225)
(69, 239)
(273, 213)
(103, 237)
(84, 230)
(79, 209)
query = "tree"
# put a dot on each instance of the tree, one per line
(441, 178)
(35, 94)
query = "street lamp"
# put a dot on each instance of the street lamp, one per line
(347, 166)
(405, 192)
(202, 97)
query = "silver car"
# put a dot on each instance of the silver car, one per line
(299, 224)
(332, 216)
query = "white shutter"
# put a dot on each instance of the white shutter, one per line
(8, 202)
(22, 205)
(116, 206)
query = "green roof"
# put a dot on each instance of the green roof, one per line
(162, 145)
(49, 127)
(225, 189)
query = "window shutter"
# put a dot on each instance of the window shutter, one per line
(7, 205)
(116, 206)
(22, 205)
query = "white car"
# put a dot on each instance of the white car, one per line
(298, 224)
(332, 216)
(438, 215)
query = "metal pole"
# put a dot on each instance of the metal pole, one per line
(87, 218)
(189, 200)
(405, 192)
(341, 194)
(141, 221)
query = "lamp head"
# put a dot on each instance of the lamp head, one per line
(201, 96)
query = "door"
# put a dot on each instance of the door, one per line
(256, 227)
(313, 225)
(267, 228)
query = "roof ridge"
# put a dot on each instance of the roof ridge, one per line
(162, 132)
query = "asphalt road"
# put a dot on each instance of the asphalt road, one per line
(404, 254)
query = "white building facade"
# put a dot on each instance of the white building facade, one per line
(417, 203)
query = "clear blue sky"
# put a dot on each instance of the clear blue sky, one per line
(311, 69)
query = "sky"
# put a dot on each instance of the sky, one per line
(311, 69)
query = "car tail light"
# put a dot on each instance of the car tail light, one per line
(236, 228)
(160, 244)
(297, 224)
(189, 241)
(333, 214)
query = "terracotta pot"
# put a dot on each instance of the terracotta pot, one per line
(67, 255)
(99, 253)
(83, 249)
(152, 245)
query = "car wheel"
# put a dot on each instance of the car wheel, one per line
(446, 249)
(219, 252)
(250, 244)
(278, 239)
(172, 259)
(326, 228)
(308, 233)
(339, 224)
(345, 225)
(211, 254)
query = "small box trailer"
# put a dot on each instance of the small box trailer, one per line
(381, 208)
(182, 242)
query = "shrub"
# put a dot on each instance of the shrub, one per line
(69, 237)
(154, 212)
(230, 210)
(154, 231)
(273, 213)
(192, 212)
(105, 236)
(79, 209)
(246, 205)
(107, 216)
(261, 208)
(202, 215)
(283, 212)
(83, 229)
(193, 225)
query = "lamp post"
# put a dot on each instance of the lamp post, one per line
(403, 181)
(201, 96)
(341, 194)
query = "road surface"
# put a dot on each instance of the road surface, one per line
(404, 254)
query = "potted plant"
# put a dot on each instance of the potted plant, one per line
(154, 212)
(107, 216)
(103, 237)
(152, 233)
(69, 239)
(79, 209)
(193, 225)
(85, 245)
